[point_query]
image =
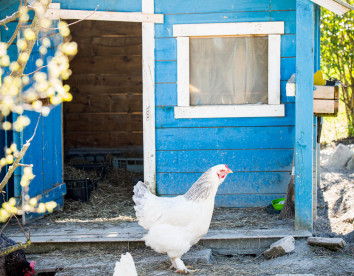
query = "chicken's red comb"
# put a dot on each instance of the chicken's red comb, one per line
(227, 167)
(32, 264)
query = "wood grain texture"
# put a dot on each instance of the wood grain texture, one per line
(149, 77)
(106, 122)
(90, 28)
(165, 118)
(103, 16)
(90, 5)
(121, 64)
(238, 160)
(104, 104)
(102, 139)
(236, 183)
(225, 138)
(88, 84)
(106, 85)
(304, 114)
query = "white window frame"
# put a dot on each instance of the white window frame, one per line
(184, 31)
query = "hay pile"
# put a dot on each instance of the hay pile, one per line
(111, 201)
(254, 218)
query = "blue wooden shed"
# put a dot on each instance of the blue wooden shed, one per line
(212, 91)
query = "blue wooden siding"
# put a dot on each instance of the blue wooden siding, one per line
(45, 152)
(258, 150)
(104, 5)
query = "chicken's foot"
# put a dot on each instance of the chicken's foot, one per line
(178, 264)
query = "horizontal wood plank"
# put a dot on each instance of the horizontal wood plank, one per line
(165, 118)
(103, 15)
(88, 84)
(224, 138)
(90, 5)
(230, 111)
(237, 160)
(104, 104)
(102, 140)
(91, 122)
(248, 200)
(165, 30)
(325, 106)
(121, 64)
(89, 28)
(209, 6)
(236, 183)
(239, 28)
(326, 92)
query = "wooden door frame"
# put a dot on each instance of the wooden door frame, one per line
(148, 18)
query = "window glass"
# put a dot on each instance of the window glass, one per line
(228, 70)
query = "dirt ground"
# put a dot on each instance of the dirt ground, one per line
(304, 260)
(335, 219)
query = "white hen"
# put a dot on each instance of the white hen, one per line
(174, 224)
(125, 267)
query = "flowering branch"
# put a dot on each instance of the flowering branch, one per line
(18, 159)
(36, 26)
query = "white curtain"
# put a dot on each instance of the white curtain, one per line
(228, 70)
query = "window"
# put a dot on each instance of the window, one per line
(228, 70)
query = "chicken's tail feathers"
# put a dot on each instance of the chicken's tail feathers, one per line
(141, 192)
(126, 266)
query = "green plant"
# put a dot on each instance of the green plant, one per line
(337, 53)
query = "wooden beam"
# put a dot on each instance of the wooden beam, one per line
(220, 29)
(183, 96)
(230, 111)
(336, 6)
(304, 114)
(53, 13)
(149, 98)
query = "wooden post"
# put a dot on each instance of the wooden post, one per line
(304, 114)
(149, 99)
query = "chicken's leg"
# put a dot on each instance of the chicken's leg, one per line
(178, 264)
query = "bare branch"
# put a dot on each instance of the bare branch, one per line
(40, 68)
(18, 159)
(10, 18)
(17, 28)
(26, 165)
(19, 24)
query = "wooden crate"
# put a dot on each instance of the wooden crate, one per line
(326, 100)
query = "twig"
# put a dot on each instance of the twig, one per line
(10, 18)
(26, 165)
(36, 26)
(35, 71)
(74, 22)
(18, 159)
(23, 230)
(19, 24)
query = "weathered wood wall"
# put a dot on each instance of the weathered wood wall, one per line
(258, 150)
(106, 111)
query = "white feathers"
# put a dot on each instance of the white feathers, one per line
(174, 224)
(126, 266)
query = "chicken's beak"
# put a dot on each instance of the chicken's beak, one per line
(230, 171)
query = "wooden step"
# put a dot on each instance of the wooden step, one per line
(238, 241)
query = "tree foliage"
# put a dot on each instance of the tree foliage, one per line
(337, 53)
